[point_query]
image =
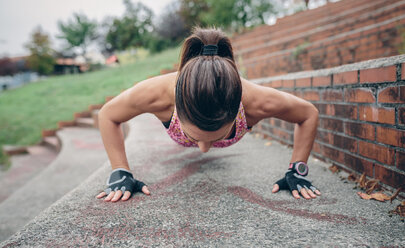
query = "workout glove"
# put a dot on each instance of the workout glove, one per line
(293, 181)
(122, 179)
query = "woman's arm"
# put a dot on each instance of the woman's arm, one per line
(149, 96)
(266, 102)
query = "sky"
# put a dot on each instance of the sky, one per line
(18, 18)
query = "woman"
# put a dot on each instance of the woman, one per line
(206, 104)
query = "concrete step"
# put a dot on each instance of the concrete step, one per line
(81, 154)
(24, 167)
(85, 122)
(52, 142)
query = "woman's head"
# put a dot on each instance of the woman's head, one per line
(208, 89)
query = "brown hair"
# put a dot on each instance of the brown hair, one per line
(208, 89)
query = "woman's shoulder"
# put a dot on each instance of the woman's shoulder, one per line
(155, 94)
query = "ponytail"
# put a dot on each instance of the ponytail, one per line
(208, 89)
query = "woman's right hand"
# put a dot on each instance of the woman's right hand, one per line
(121, 180)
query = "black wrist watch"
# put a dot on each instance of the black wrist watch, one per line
(300, 168)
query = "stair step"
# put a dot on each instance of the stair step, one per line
(24, 167)
(85, 122)
(94, 115)
(14, 150)
(52, 142)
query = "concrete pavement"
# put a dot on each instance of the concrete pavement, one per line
(219, 199)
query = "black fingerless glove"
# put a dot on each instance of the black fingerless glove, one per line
(293, 181)
(122, 179)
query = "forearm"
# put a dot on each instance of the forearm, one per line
(304, 136)
(113, 139)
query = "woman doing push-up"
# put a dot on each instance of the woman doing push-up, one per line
(206, 104)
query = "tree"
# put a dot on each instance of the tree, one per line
(41, 59)
(234, 15)
(171, 25)
(132, 30)
(79, 32)
(191, 11)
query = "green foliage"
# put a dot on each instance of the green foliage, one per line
(132, 30)
(41, 59)
(79, 32)
(191, 11)
(231, 15)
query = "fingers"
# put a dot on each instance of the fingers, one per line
(295, 194)
(311, 194)
(110, 196)
(317, 192)
(276, 188)
(304, 193)
(117, 196)
(102, 194)
(145, 190)
(126, 196)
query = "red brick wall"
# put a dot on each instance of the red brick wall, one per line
(335, 34)
(362, 120)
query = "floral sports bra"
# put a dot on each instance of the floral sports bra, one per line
(175, 132)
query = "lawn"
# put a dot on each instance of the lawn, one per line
(25, 111)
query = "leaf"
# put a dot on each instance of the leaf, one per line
(268, 143)
(333, 168)
(362, 181)
(379, 196)
(364, 195)
(400, 209)
(395, 195)
(371, 186)
(352, 177)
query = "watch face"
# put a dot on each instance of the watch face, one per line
(301, 168)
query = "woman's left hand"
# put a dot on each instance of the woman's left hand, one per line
(296, 184)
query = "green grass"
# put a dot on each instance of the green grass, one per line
(25, 111)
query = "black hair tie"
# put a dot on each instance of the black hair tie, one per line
(210, 50)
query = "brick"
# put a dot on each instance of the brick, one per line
(303, 82)
(288, 83)
(359, 95)
(325, 137)
(358, 164)
(401, 116)
(317, 148)
(322, 81)
(62, 124)
(374, 114)
(321, 108)
(349, 77)
(390, 177)
(345, 143)
(310, 95)
(360, 130)
(276, 84)
(401, 160)
(95, 106)
(378, 75)
(343, 111)
(333, 154)
(391, 136)
(382, 154)
(394, 94)
(332, 95)
(48, 132)
(403, 71)
(332, 124)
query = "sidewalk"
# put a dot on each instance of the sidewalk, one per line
(219, 199)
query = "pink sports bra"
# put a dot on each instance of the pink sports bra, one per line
(175, 132)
